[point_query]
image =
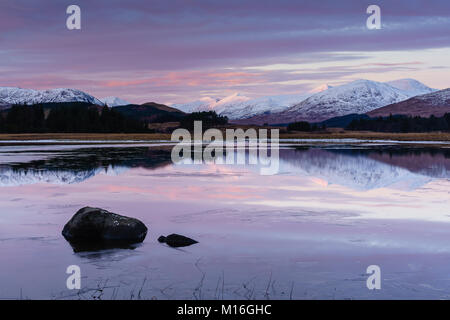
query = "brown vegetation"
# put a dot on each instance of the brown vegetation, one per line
(328, 134)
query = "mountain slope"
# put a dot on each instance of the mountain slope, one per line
(150, 112)
(435, 103)
(229, 103)
(114, 101)
(13, 95)
(356, 97)
(317, 105)
(342, 121)
(263, 105)
(410, 86)
(238, 106)
(204, 104)
(162, 107)
(359, 96)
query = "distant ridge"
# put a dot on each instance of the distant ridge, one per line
(319, 104)
(239, 106)
(150, 112)
(436, 103)
(162, 107)
(14, 95)
(114, 101)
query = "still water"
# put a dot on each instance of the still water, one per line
(308, 232)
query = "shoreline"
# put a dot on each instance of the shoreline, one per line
(51, 138)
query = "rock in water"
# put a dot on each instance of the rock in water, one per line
(176, 240)
(95, 225)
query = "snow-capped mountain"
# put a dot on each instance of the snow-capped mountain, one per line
(229, 102)
(319, 104)
(114, 102)
(263, 105)
(411, 87)
(436, 103)
(204, 104)
(360, 96)
(13, 95)
(208, 103)
(238, 106)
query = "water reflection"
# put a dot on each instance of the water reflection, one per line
(316, 225)
(370, 168)
(75, 166)
(100, 247)
(359, 168)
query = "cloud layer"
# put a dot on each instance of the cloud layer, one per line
(173, 51)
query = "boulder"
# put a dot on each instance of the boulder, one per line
(95, 225)
(176, 240)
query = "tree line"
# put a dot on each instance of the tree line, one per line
(400, 123)
(209, 119)
(70, 119)
(305, 126)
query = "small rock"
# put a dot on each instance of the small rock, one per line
(95, 225)
(176, 240)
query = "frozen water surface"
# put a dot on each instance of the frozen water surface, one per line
(308, 232)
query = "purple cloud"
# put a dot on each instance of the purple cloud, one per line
(139, 45)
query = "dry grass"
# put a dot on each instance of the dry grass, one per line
(368, 135)
(329, 134)
(164, 127)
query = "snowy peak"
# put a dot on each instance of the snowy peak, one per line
(320, 103)
(411, 87)
(13, 95)
(321, 88)
(239, 106)
(114, 102)
(229, 102)
(359, 96)
(262, 105)
(203, 104)
(208, 103)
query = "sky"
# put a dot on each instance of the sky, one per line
(175, 51)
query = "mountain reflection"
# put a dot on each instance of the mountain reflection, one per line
(369, 168)
(360, 168)
(75, 166)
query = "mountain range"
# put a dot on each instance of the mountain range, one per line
(359, 97)
(404, 96)
(13, 95)
(114, 101)
(238, 106)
